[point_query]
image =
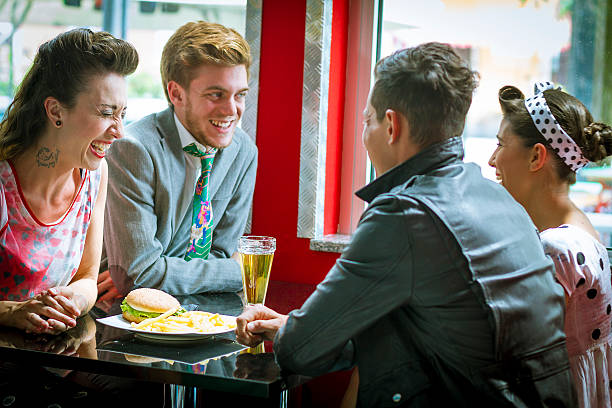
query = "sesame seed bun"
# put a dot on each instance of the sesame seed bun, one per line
(151, 300)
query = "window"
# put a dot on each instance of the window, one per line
(516, 42)
(533, 47)
(327, 208)
(25, 24)
(147, 24)
(509, 42)
(150, 24)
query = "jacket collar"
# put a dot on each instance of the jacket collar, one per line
(434, 156)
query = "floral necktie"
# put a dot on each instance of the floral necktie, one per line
(200, 238)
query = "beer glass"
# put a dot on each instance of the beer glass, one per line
(256, 254)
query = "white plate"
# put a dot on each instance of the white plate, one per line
(119, 322)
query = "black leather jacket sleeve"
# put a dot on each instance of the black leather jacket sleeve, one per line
(370, 279)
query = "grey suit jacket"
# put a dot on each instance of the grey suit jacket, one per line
(147, 224)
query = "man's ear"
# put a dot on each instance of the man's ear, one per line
(393, 125)
(539, 156)
(176, 93)
(53, 109)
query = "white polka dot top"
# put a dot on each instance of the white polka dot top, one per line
(582, 268)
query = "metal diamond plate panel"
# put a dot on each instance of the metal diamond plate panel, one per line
(314, 118)
(253, 37)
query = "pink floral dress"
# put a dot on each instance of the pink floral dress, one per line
(583, 269)
(35, 256)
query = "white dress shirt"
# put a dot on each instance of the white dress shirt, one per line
(193, 166)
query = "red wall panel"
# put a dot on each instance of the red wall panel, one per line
(275, 204)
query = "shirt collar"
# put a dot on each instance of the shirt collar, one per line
(436, 155)
(186, 137)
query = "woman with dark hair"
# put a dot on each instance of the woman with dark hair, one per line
(543, 141)
(66, 113)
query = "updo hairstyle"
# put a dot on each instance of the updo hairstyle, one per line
(593, 138)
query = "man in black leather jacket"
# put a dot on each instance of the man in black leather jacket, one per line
(444, 296)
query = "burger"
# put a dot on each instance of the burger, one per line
(145, 303)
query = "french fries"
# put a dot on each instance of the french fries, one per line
(188, 322)
(155, 319)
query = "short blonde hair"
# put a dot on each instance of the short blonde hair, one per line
(198, 43)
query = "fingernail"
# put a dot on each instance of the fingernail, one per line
(52, 291)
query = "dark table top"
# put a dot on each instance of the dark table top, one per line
(215, 363)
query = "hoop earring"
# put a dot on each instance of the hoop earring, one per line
(58, 123)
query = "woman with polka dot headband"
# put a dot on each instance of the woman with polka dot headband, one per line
(542, 142)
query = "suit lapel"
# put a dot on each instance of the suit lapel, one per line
(164, 121)
(175, 178)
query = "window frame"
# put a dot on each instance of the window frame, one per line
(327, 216)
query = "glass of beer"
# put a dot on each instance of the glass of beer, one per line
(256, 254)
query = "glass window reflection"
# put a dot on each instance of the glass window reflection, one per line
(25, 24)
(518, 42)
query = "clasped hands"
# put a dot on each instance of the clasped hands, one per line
(258, 323)
(51, 312)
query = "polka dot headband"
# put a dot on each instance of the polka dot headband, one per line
(547, 125)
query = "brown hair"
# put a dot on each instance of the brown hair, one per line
(594, 139)
(61, 69)
(198, 43)
(430, 85)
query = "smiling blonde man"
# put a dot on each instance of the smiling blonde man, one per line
(182, 181)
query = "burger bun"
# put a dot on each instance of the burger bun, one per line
(151, 301)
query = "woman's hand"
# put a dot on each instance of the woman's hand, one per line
(41, 314)
(66, 301)
(258, 323)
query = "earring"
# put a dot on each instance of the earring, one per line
(58, 123)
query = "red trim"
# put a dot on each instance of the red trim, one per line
(279, 121)
(3, 228)
(335, 115)
(359, 70)
(25, 203)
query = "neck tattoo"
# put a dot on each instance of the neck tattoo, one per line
(46, 158)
